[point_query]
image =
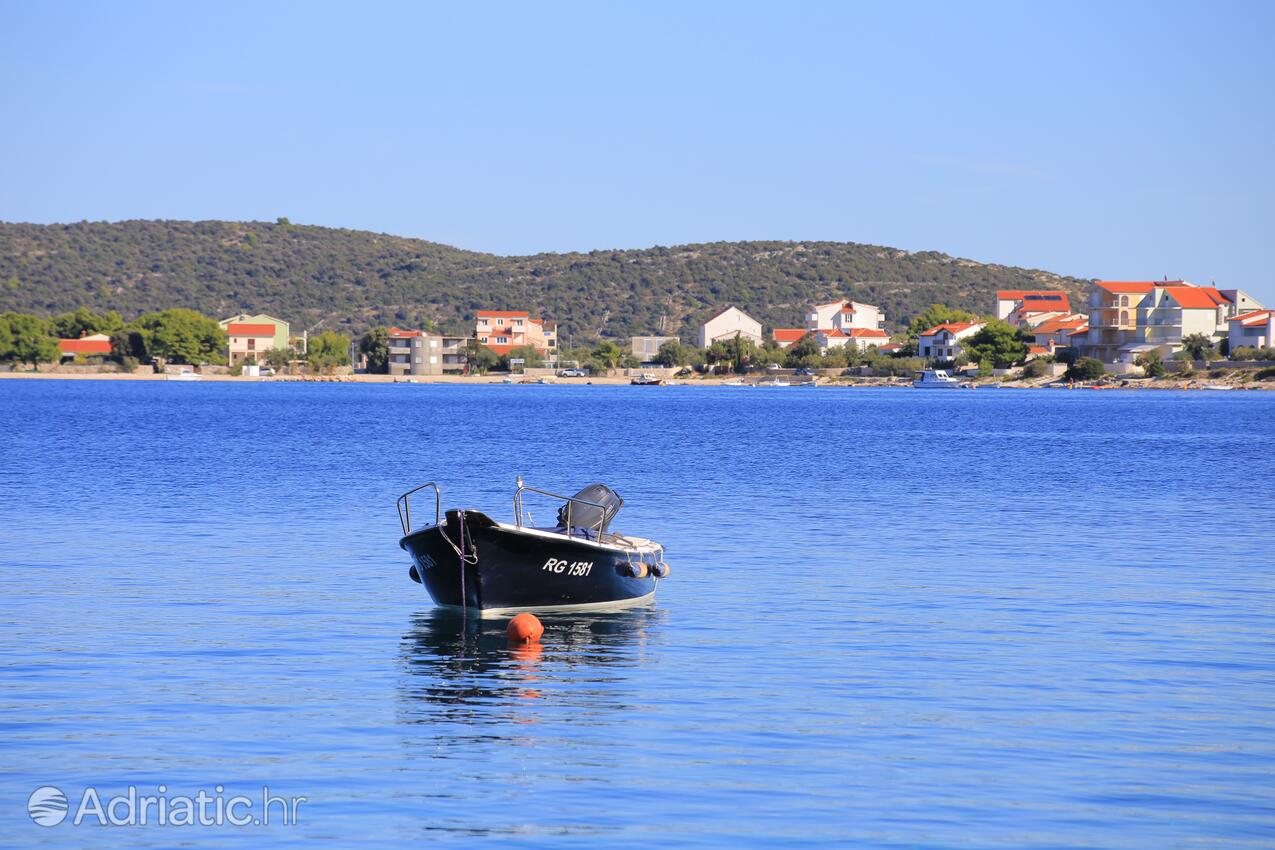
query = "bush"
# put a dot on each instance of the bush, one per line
(1245, 352)
(128, 364)
(1151, 364)
(1035, 369)
(1267, 374)
(1086, 369)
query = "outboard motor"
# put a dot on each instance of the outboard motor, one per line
(587, 516)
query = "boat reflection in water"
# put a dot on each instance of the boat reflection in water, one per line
(463, 668)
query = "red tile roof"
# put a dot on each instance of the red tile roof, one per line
(789, 334)
(1053, 326)
(1126, 285)
(1047, 305)
(1037, 349)
(868, 332)
(1195, 297)
(950, 327)
(249, 329)
(400, 333)
(503, 314)
(85, 346)
(891, 346)
(1254, 318)
(832, 332)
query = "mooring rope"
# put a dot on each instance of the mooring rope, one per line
(464, 604)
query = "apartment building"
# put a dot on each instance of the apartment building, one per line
(504, 330)
(423, 353)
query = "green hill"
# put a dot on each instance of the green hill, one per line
(349, 280)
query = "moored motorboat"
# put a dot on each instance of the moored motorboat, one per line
(937, 379)
(647, 380)
(465, 559)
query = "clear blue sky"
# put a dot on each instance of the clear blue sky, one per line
(1118, 140)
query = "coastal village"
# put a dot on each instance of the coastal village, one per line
(1127, 331)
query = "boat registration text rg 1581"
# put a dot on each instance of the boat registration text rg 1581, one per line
(571, 568)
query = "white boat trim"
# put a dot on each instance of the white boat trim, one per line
(640, 544)
(614, 605)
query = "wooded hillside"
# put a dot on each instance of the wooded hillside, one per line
(350, 280)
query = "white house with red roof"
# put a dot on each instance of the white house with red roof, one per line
(844, 315)
(1166, 314)
(504, 330)
(1031, 306)
(1255, 329)
(860, 338)
(839, 323)
(942, 342)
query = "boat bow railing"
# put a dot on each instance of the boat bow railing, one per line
(405, 506)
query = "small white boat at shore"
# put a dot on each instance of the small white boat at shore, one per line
(184, 376)
(937, 379)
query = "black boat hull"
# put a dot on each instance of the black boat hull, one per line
(508, 570)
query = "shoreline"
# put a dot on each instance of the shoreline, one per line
(1189, 384)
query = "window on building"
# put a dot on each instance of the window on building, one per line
(252, 345)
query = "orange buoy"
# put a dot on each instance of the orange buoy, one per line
(525, 628)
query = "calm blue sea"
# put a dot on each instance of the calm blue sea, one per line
(896, 619)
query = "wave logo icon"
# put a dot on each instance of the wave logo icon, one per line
(47, 806)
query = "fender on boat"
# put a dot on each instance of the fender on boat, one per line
(636, 570)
